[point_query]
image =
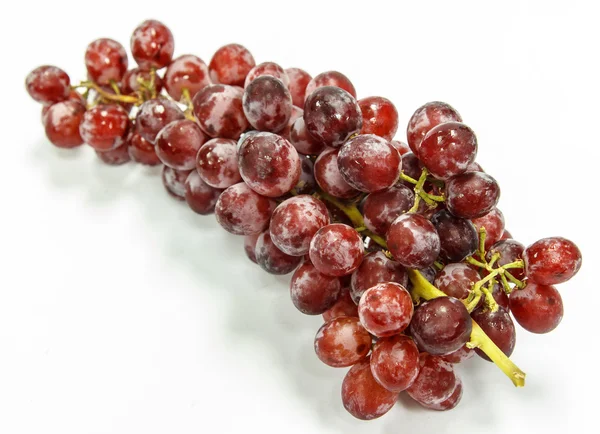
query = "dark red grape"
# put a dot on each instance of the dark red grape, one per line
(48, 84)
(460, 355)
(369, 163)
(411, 166)
(537, 308)
(380, 117)
(344, 306)
(178, 143)
(312, 292)
(152, 45)
(452, 401)
(342, 342)
(553, 260)
(329, 178)
(332, 115)
(200, 196)
(506, 235)
(241, 211)
(458, 237)
(330, 78)
(267, 104)
(299, 79)
(61, 123)
(401, 147)
(441, 326)
(267, 68)
(472, 194)
(509, 251)
(493, 222)
(436, 380)
(271, 259)
(186, 72)
(381, 208)
(174, 181)
(303, 141)
(336, 250)
(140, 150)
(385, 309)
(104, 127)
(216, 163)
(498, 327)
(155, 114)
(413, 241)
(250, 246)
(448, 149)
(376, 268)
(115, 157)
(362, 396)
(219, 111)
(456, 280)
(106, 61)
(500, 296)
(395, 362)
(231, 64)
(425, 118)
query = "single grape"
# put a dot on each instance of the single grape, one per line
(140, 150)
(537, 308)
(200, 196)
(385, 309)
(61, 123)
(452, 401)
(329, 178)
(312, 292)
(344, 306)
(307, 183)
(154, 114)
(267, 104)
(299, 79)
(436, 380)
(231, 64)
(472, 194)
(342, 342)
(413, 241)
(216, 163)
(553, 260)
(425, 118)
(336, 250)
(459, 356)
(380, 117)
(458, 237)
(381, 208)
(441, 326)
(174, 181)
(509, 251)
(332, 116)
(303, 141)
(267, 68)
(362, 396)
(178, 143)
(241, 211)
(48, 84)
(130, 83)
(152, 45)
(498, 327)
(395, 362)
(295, 221)
(269, 164)
(376, 268)
(456, 280)
(115, 157)
(493, 222)
(186, 72)
(369, 163)
(104, 127)
(448, 149)
(106, 61)
(271, 259)
(401, 147)
(330, 78)
(219, 111)
(250, 246)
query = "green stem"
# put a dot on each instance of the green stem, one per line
(130, 99)
(407, 178)
(519, 284)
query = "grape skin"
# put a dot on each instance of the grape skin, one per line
(376, 268)
(299, 79)
(381, 208)
(130, 81)
(342, 342)
(458, 237)
(456, 280)
(329, 178)
(271, 259)
(452, 401)
(153, 115)
(115, 157)
(241, 211)
(250, 246)
(330, 78)
(537, 308)
(267, 69)
(395, 362)
(216, 162)
(220, 112)
(104, 127)
(344, 306)
(385, 309)
(105, 61)
(425, 118)
(472, 194)
(178, 143)
(336, 250)
(152, 45)
(174, 181)
(267, 104)
(141, 151)
(551, 261)
(510, 251)
(312, 292)
(48, 84)
(61, 123)
(498, 327)
(200, 197)
(303, 141)
(493, 222)
(460, 355)
(380, 117)
(436, 381)
(231, 64)
(186, 72)
(413, 241)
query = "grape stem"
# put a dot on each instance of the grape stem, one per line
(423, 289)
(129, 99)
(187, 100)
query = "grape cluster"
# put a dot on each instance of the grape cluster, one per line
(399, 246)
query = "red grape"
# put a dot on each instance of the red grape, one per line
(498, 327)
(106, 61)
(376, 268)
(452, 401)
(493, 222)
(299, 79)
(312, 292)
(174, 181)
(329, 178)
(460, 355)
(411, 166)
(297, 113)
(413, 241)
(510, 251)
(380, 117)
(269, 164)
(295, 221)
(332, 115)
(186, 72)
(130, 83)
(178, 143)
(441, 326)
(216, 163)
(458, 237)
(200, 196)
(342, 342)
(395, 362)
(267, 68)
(219, 111)
(152, 45)
(344, 306)
(104, 127)
(385, 309)
(456, 280)
(140, 150)
(336, 250)
(472, 194)
(425, 118)
(401, 147)
(267, 104)
(330, 78)
(231, 64)
(48, 84)
(250, 246)
(506, 235)
(436, 380)
(303, 141)
(500, 296)
(61, 123)
(241, 211)
(448, 149)
(271, 259)
(552, 260)
(381, 208)
(154, 114)
(363, 396)
(115, 157)
(369, 163)
(537, 308)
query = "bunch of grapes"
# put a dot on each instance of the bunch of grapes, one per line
(400, 247)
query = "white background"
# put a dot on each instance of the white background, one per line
(123, 312)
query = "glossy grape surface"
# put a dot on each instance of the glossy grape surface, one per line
(329, 178)
(174, 181)
(380, 117)
(395, 362)
(115, 157)
(385, 309)
(267, 104)
(456, 280)
(216, 163)
(106, 61)
(48, 84)
(436, 380)
(241, 211)
(271, 259)
(178, 143)
(381, 208)
(186, 72)
(553, 260)
(342, 342)
(219, 111)
(152, 45)
(458, 237)
(312, 292)
(200, 196)
(61, 123)
(376, 268)
(344, 306)
(537, 308)
(336, 250)
(498, 326)
(299, 79)
(155, 114)
(104, 127)
(493, 222)
(330, 78)
(472, 194)
(413, 241)
(267, 69)
(425, 118)
(231, 64)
